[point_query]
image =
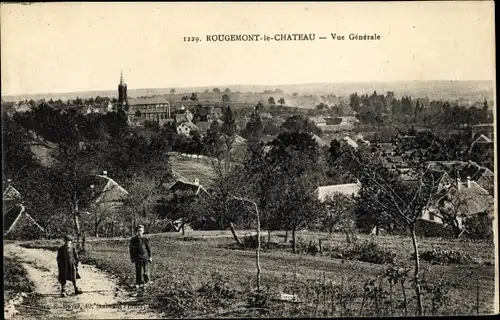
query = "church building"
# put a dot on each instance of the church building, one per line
(152, 109)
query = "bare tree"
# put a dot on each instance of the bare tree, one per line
(404, 200)
(253, 208)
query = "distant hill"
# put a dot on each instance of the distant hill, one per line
(447, 90)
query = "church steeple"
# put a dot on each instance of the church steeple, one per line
(121, 78)
(122, 91)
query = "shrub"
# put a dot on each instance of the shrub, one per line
(15, 277)
(218, 291)
(369, 251)
(480, 226)
(439, 256)
(261, 298)
(178, 300)
(250, 241)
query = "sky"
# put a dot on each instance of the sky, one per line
(68, 47)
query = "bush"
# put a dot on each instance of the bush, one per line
(217, 291)
(369, 251)
(250, 241)
(480, 226)
(15, 277)
(439, 256)
(261, 298)
(178, 300)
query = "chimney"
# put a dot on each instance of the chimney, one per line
(459, 184)
(105, 173)
(468, 181)
(197, 181)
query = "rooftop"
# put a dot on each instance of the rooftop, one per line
(349, 189)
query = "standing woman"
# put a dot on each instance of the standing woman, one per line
(67, 263)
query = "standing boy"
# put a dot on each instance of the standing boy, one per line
(140, 254)
(67, 263)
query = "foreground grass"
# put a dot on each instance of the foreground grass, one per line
(202, 277)
(15, 278)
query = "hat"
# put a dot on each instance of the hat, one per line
(68, 238)
(139, 227)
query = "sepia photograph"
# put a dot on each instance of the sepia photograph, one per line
(249, 160)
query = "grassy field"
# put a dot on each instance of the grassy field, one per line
(194, 277)
(191, 169)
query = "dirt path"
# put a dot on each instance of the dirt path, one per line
(102, 298)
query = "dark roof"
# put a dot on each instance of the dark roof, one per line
(14, 215)
(181, 185)
(10, 193)
(10, 217)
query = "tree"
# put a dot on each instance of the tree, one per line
(17, 157)
(172, 91)
(226, 98)
(340, 214)
(299, 123)
(229, 122)
(211, 141)
(271, 101)
(140, 206)
(403, 200)
(184, 98)
(321, 106)
(254, 127)
(485, 112)
(281, 101)
(194, 96)
(295, 155)
(216, 90)
(227, 91)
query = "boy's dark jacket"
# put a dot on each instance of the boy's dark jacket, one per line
(67, 263)
(139, 249)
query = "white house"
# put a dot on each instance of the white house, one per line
(348, 189)
(186, 128)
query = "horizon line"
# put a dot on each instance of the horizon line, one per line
(243, 84)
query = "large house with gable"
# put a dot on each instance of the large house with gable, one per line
(460, 199)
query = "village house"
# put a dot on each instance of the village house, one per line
(319, 141)
(101, 108)
(481, 175)
(179, 192)
(348, 189)
(319, 121)
(463, 200)
(186, 128)
(487, 129)
(337, 124)
(215, 114)
(182, 115)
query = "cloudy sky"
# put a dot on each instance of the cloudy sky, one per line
(58, 47)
